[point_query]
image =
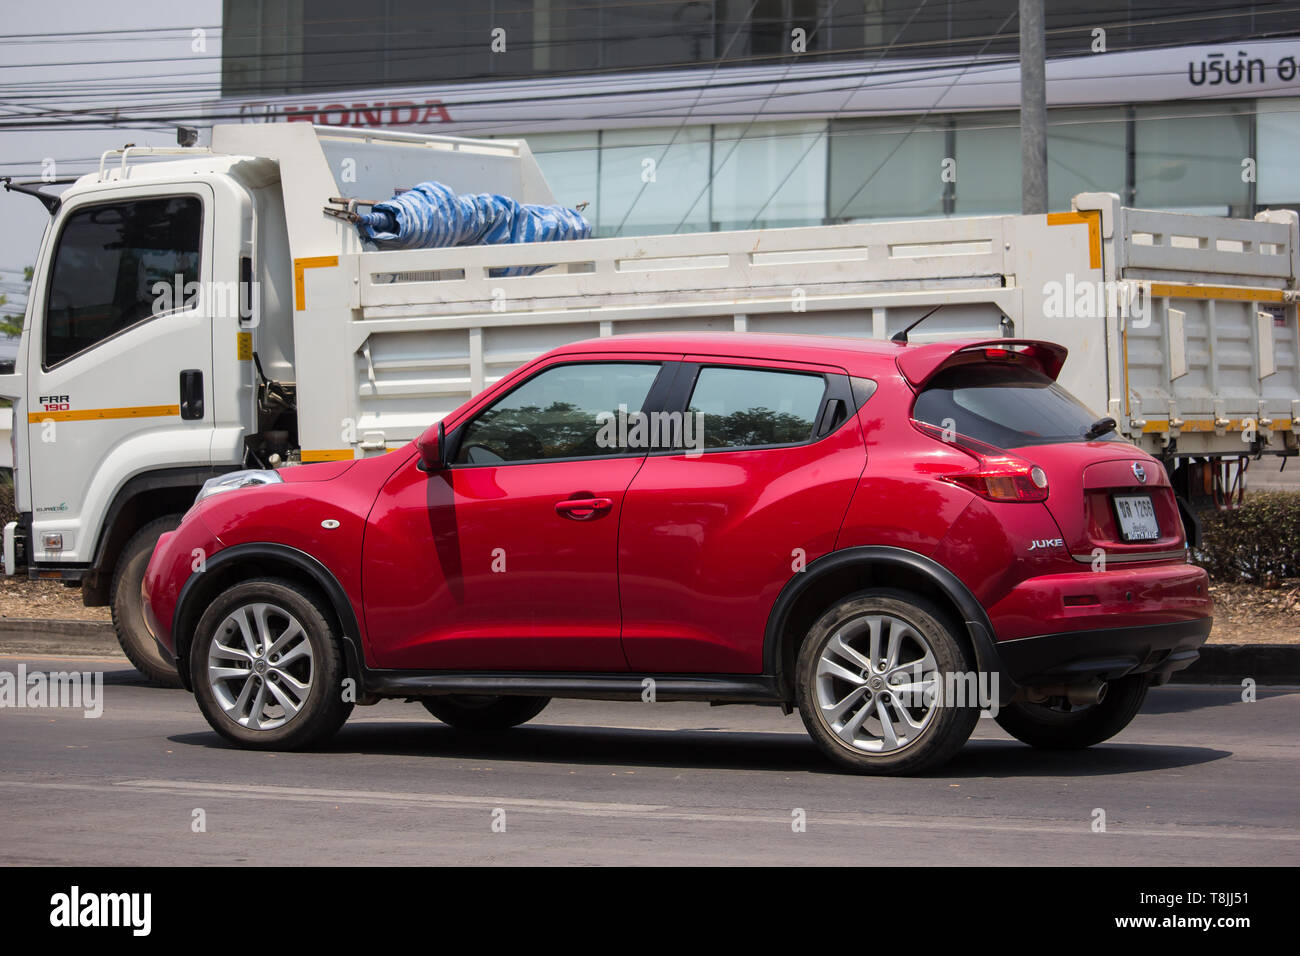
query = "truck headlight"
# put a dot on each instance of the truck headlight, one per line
(232, 481)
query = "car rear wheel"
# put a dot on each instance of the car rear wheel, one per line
(267, 667)
(128, 605)
(870, 681)
(1056, 725)
(481, 712)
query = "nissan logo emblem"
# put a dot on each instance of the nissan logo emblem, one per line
(1139, 472)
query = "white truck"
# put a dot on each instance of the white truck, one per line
(196, 310)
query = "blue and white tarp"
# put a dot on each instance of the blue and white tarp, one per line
(432, 216)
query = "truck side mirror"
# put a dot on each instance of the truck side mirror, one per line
(433, 448)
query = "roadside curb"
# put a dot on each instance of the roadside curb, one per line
(1218, 663)
(11, 627)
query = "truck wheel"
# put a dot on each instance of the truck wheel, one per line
(1060, 727)
(128, 612)
(267, 668)
(870, 681)
(475, 712)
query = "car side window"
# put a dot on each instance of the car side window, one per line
(746, 407)
(109, 258)
(562, 412)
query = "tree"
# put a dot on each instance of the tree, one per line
(12, 324)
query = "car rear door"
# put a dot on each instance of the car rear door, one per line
(710, 534)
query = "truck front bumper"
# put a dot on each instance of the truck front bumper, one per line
(11, 549)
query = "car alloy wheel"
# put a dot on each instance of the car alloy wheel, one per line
(877, 683)
(870, 680)
(261, 666)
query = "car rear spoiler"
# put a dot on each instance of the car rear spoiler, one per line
(920, 363)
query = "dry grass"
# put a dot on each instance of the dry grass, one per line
(45, 600)
(1243, 613)
(1248, 614)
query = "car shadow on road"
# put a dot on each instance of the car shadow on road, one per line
(563, 744)
(130, 677)
(1177, 699)
(713, 750)
(1010, 758)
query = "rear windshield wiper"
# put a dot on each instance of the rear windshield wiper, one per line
(1098, 428)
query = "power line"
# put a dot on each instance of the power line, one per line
(855, 131)
(120, 116)
(116, 113)
(644, 182)
(423, 51)
(713, 167)
(899, 145)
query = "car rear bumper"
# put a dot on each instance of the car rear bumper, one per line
(1122, 596)
(1071, 657)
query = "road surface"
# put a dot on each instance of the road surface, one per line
(1199, 778)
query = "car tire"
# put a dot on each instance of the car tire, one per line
(871, 719)
(293, 698)
(1057, 728)
(475, 712)
(127, 605)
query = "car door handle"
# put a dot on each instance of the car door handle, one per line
(583, 509)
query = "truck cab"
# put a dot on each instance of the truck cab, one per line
(135, 380)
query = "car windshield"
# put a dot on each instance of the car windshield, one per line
(1006, 406)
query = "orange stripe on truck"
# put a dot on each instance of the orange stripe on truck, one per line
(1090, 217)
(299, 266)
(100, 414)
(1229, 293)
(326, 454)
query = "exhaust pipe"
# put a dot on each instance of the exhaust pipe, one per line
(1079, 695)
(1084, 695)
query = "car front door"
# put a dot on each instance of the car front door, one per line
(711, 534)
(508, 559)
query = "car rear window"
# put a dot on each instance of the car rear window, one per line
(1007, 406)
(754, 408)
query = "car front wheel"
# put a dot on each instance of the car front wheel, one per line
(870, 682)
(267, 666)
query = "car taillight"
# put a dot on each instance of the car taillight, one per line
(996, 476)
(1003, 478)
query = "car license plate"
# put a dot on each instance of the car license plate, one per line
(1137, 518)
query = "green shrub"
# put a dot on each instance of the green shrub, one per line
(1259, 540)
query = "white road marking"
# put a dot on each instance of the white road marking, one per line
(652, 812)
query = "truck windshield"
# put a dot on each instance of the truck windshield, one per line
(112, 263)
(1007, 406)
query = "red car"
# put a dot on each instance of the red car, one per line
(888, 537)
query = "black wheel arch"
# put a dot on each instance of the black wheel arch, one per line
(261, 559)
(809, 592)
(141, 498)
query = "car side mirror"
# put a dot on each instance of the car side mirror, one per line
(433, 448)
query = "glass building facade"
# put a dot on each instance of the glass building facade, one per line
(1225, 156)
(294, 46)
(1185, 157)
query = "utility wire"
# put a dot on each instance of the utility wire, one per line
(714, 168)
(175, 113)
(919, 120)
(644, 182)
